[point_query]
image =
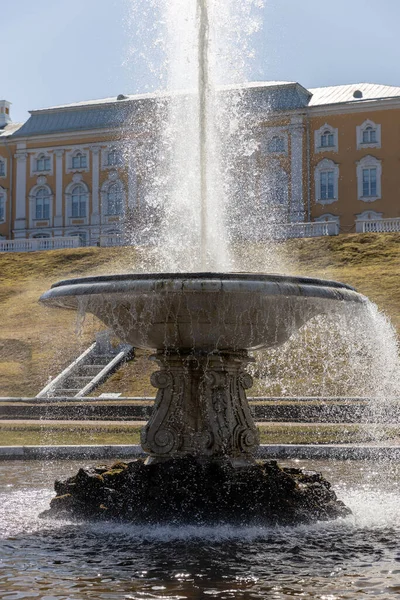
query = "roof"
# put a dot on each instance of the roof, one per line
(258, 96)
(339, 94)
(101, 114)
(9, 129)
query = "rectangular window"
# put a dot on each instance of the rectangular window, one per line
(327, 140)
(369, 182)
(2, 168)
(79, 161)
(327, 185)
(2, 209)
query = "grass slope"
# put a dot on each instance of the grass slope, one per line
(36, 343)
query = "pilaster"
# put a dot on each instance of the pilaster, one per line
(20, 194)
(58, 217)
(95, 216)
(297, 213)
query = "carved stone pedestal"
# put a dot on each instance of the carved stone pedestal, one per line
(201, 408)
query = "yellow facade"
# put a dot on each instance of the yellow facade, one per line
(329, 154)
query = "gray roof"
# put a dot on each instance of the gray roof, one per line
(81, 117)
(112, 113)
(339, 94)
(263, 96)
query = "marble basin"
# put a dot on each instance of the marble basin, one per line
(207, 311)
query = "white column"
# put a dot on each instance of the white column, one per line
(58, 217)
(20, 194)
(95, 216)
(297, 213)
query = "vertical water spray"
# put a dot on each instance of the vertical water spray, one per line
(203, 92)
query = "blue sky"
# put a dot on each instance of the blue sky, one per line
(60, 51)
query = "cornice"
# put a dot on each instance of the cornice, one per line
(354, 107)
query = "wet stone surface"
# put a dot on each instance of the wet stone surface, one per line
(189, 490)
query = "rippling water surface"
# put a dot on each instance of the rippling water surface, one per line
(358, 557)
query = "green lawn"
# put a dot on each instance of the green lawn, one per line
(275, 433)
(37, 343)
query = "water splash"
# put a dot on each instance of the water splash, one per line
(190, 157)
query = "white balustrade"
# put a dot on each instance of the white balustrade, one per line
(378, 226)
(315, 229)
(37, 244)
(112, 239)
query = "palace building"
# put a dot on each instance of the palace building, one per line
(330, 156)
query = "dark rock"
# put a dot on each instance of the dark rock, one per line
(199, 491)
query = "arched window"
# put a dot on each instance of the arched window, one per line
(2, 168)
(369, 135)
(42, 203)
(79, 161)
(276, 144)
(79, 198)
(114, 199)
(43, 163)
(327, 139)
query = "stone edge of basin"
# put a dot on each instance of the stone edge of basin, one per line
(272, 451)
(164, 283)
(270, 277)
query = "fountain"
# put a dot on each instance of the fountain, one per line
(202, 466)
(201, 440)
(201, 433)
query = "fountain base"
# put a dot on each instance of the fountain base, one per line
(201, 408)
(195, 490)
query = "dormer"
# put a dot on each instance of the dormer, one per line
(5, 118)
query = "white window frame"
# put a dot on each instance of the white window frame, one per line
(70, 160)
(274, 150)
(369, 162)
(3, 161)
(326, 165)
(104, 157)
(32, 203)
(360, 135)
(43, 197)
(267, 135)
(113, 179)
(34, 157)
(81, 203)
(318, 133)
(68, 202)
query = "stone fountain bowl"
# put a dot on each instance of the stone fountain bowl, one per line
(207, 311)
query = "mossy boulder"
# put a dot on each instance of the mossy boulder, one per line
(190, 490)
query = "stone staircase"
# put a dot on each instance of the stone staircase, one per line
(89, 370)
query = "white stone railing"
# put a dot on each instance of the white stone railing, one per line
(35, 244)
(112, 239)
(316, 229)
(378, 226)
